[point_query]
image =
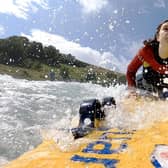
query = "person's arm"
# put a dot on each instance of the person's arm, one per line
(132, 69)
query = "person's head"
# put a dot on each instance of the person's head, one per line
(157, 34)
(163, 26)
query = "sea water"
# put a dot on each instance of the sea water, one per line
(29, 107)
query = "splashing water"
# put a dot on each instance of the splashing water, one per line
(29, 107)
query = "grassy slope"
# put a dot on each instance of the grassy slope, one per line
(76, 74)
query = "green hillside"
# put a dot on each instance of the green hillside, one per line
(22, 58)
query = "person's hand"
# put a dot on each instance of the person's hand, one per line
(129, 103)
(132, 92)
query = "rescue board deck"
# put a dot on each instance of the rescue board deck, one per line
(112, 148)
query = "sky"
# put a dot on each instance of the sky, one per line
(107, 33)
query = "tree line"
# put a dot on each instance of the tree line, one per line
(19, 51)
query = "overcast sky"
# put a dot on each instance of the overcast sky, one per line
(102, 32)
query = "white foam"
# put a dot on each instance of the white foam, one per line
(53, 105)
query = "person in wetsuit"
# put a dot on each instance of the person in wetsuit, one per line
(153, 56)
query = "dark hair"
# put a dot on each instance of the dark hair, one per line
(154, 39)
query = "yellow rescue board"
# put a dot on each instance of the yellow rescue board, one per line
(114, 148)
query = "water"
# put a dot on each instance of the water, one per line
(28, 107)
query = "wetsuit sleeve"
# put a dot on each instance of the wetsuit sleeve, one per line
(132, 69)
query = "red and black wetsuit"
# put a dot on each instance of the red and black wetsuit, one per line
(156, 70)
